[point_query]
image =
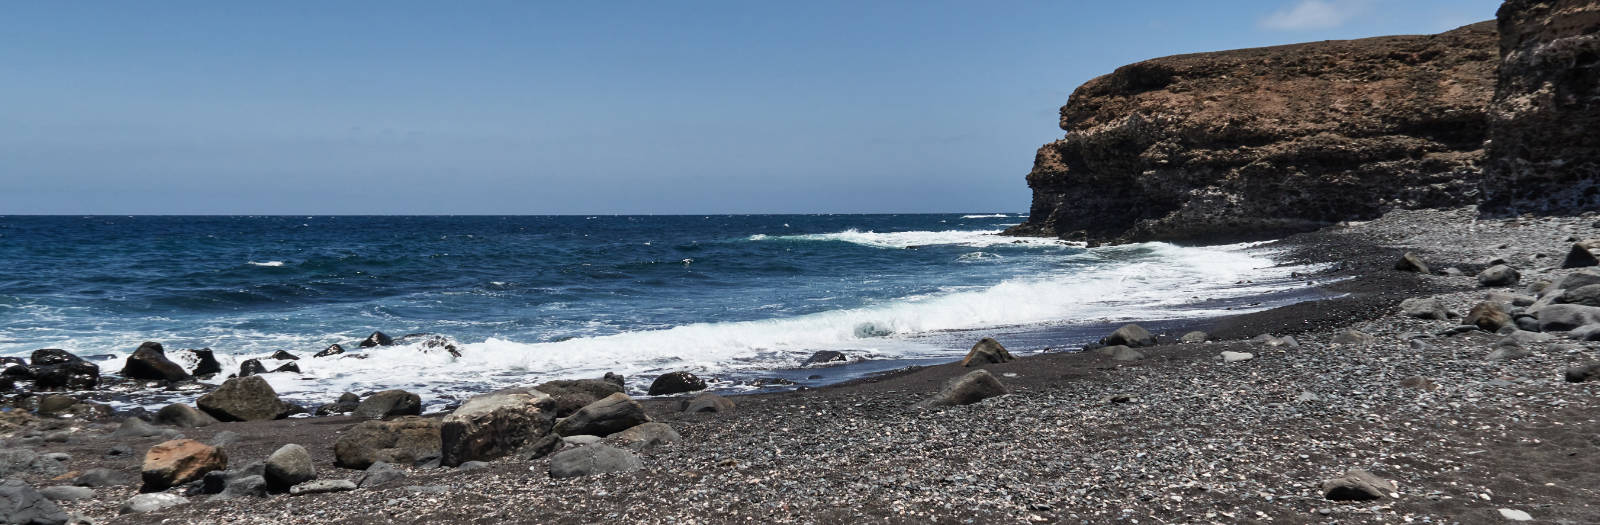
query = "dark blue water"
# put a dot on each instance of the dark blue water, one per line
(531, 298)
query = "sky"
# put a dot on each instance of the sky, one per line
(484, 107)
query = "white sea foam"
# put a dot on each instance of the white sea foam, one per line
(273, 264)
(990, 216)
(968, 238)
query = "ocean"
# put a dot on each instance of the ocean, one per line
(733, 298)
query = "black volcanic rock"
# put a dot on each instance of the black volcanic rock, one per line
(150, 362)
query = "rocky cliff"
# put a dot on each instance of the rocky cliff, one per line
(1258, 142)
(1544, 155)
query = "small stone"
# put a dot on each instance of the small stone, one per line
(1232, 357)
(322, 486)
(380, 473)
(288, 466)
(152, 502)
(1515, 515)
(66, 493)
(1357, 485)
(1410, 262)
(823, 357)
(986, 351)
(1354, 338)
(1498, 275)
(708, 402)
(1194, 337)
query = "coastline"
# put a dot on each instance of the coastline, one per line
(1179, 436)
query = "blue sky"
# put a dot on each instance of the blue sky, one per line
(583, 107)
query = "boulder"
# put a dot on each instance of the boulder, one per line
(1588, 295)
(247, 485)
(823, 357)
(1572, 281)
(150, 362)
(1233, 357)
(52, 356)
(1130, 335)
(21, 504)
(102, 477)
(1119, 353)
(1585, 333)
(324, 486)
(676, 383)
(1584, 253)
(377, 339)
(333, 349)
(14, 461)
(283, 355)
(290, 367)
(179, 461)
(250, 367)
(1425, 308)
(1410, 262)
(569, 395)
(54, 404)
(182, 415)
(403, 441)
(987, 351)
(1489, 316)
(591, 460)
(380, 473)
(493, 425)
(1498, 275)
(152, 502)
(545, 446)
(1583, 372)
(614, 378)
(973, 387)
(201, 362)
(1563, 317)
(1194, 337)
(614, 413)
(708, 402)
(347, 402)
(288, 466)
(1507, 353)
(645, 435)
(1354, 338)
(74, 375)
(65, 493)
(138, 428)
(1357, 485)
(388, 404)
(244, 399)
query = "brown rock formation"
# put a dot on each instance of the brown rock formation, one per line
(1258, 142)
(1545, 118)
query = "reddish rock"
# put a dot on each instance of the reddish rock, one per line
(179, 461)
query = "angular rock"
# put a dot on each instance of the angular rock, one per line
(591, 460)
(250, 367)
(645, 435)
(333, 349)
(1515, 515)
(1489, 316)
(53, 404)
(377, 339)
(101, 477)
(614, 413)
(152, 502)
(403, 441)
(388, 404)
(244, 399)
(1583, 254)
(1233, 357)
(290, 367)
(493, 425)
(283, 355)
(52, 356)
(1585, 295)
(150, 362)
(1498, 275)
(545, 446)
(824, 357)
(20, 503)
(987, 351)
(182, 415)
(73, 375)
(247, 485)
(569, 395)
(66, 493)
(1410, 262)
(676, 383)
(1354, 338)
(708, 402)
(288, 466)
(347, 402)
(136, 428)
(1583, 372)
(973, 387)
(15, 461)
(179, 461)
(1194, 337)
(380, 473)
(1357, 485)
(324, 486)
(1425, 308)
(1572, 281)
(1130, 335)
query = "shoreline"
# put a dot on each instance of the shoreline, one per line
(1179, 436)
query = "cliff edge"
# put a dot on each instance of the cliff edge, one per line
(1260, 142)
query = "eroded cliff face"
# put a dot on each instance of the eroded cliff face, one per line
(1259, 142)
(1544, 156)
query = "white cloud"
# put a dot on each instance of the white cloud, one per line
(1314, 14)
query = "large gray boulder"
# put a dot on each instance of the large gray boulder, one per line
(244, 399)
(973, 387)
(288, 466)
(1585, 295)
(569, 395)
(404, 441)
(380, 473)
(493, 425)
(615, 413)
(21, 504)
(1563, 317)
(150, 362)
(593, 459)
(388, 404)
(987, 351)
(1130, 335)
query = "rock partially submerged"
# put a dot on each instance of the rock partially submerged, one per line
(150, 362)
(676, 383)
